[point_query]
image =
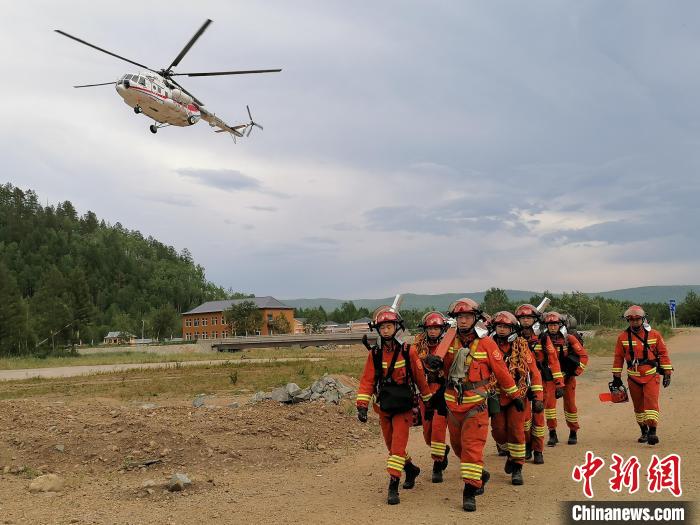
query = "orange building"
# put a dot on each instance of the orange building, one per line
(207, 320)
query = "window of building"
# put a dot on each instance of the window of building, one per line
(204, 322)
(196, 322)
(213, 321)
(269, 318)
(224, 334)
(215, 335)
(222, 320)
(204, 335)
(188, 322)
(196, 335)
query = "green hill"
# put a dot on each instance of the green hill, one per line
(642, 294)
(66, 277)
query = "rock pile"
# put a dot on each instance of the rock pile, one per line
(325, 389)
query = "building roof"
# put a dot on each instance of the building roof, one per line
(112, 335)
(362, 320)
(266, 302)
(302, 320)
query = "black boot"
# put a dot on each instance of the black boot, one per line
(437, 471)
(553, 439)
(517, 476)
(445, 460)
(485, 477)
(572, 438)
(469, 498)
(508, 467)
(652, 438)
(412, 472)
(528, 451)
(645, 432)
(539, 458)
(393, 497)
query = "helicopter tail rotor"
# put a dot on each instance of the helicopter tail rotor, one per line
(252, 123)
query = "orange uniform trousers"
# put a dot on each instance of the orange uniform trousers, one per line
(645, 398)
(570, 410)
(534, 428)
(468, 439)
(434, 432)
(395, 431)
(508, 428)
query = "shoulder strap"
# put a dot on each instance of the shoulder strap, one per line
(543, 344)
(407, 357)
(390, 370)
(644, 341)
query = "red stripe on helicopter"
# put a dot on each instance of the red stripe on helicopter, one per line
(191, 107)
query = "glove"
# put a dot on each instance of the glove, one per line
(428, 413)
(433, 362)
(518, 404)
(667, 380)
(537, 406)
(559, 392)
(616, 382)
(362, 414)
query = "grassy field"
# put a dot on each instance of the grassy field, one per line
(230, 378)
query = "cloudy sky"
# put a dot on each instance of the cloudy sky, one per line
(408, 146)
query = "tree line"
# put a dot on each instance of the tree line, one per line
(67, 278)
(588, 311)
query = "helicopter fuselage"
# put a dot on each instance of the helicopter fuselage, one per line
(150, 94)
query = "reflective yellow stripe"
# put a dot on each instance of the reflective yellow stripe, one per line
(667, 367)
(650, 371)
(511, 389)
(528, 425)
(633, 373)
(652, 341)
(582, 365)
(538, 431)
(651, 414)
(399, 364)
(396, 462)
(626, 343)
(426, 397)
(451, 350)
(536, 388)
(471, 471)
(480, 355)
(538, 347)
(639, 416)
(465, 399)
(616, 370)
(557, 374)
(364, 397)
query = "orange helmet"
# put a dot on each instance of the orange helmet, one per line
(634, 311)
(433, 319)
(384, 314)
(552, 317)
(505, 318)
(527, 310)
(464, 306)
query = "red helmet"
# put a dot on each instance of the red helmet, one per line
(384, 314)
(525, 310)
(634, 311)
(433, 319)
(553, 317)
(506, 318)
(464, 306)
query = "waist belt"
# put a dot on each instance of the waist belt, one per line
(467, 385)
(640, 362)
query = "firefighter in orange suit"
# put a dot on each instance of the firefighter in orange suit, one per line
(473, 366)
(552, 378)
(426, 343)
(391, 372)
(573, 360)
(508, 425)
(644, 351)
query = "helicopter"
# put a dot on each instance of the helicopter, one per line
(156, 94)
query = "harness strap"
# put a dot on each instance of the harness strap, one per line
(632, 362)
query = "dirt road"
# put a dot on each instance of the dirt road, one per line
(306, 463)
(72, 371)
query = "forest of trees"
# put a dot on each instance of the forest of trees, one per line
(66, 278)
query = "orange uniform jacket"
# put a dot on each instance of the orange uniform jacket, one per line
(571, 344)
(366, 389)
(535, 342)
(641, 373)
(535, 376)
(485, 359)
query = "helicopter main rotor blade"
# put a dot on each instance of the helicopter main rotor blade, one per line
(189, 45)
(196, 100)
(216, 73)
(93, 85)
(100, 49)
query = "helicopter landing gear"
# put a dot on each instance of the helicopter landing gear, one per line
(153, 128)
(192, 120)
(137, 109)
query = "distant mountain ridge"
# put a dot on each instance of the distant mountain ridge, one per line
(642, 294)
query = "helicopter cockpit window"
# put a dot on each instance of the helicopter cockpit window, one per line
(142, 81)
